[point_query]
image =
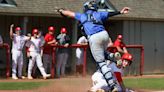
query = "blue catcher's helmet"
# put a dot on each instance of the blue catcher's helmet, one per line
(90, 5)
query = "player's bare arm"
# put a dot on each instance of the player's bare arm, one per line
(67, 13)
(52, 42)
(119, 49)
(84, 43)
(125, 50)
(66, 45)
(11, 31)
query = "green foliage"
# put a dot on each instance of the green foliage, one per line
(145, 83)
(21, 85)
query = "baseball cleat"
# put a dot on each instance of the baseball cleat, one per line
(14, 77)
(30, 77)
(22, 77)
(115, 89)
(46, 76)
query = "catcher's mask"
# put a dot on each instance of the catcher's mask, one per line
(90, 5)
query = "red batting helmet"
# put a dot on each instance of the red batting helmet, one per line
(35, 31)
(51, 29)
(119, 37)
(127, 56)
(17, 29)
(63, 30)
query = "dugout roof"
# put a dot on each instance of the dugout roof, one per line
(141, 9)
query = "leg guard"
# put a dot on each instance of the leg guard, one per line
(106, 73)
(109, 56)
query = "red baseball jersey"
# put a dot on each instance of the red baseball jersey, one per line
(117, 43)
(47, 48)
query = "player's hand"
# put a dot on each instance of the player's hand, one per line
(66, 45)
(125, 10)
(29, 34)
(12, 25)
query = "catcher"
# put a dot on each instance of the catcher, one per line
(92, 22)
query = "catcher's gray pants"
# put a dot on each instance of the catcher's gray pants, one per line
(98, 44)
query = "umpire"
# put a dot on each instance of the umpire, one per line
(92, 21)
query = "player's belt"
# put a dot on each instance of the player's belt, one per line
(94, 33)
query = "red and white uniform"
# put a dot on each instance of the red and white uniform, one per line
(17, 55)
(100, 83)
(47, 52)
(35, 45)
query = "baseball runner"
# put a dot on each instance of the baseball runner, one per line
(92, 21)
(18, 41)
(62, 53)
(79, 54)
(99, 83)
(35, 47)
(47, 52)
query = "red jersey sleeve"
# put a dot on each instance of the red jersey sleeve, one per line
(118, 76)
(122, 45)
(116, 43)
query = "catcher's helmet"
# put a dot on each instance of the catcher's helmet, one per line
(90, 5)
(63, 30)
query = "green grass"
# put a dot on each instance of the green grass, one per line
(145, 83)
(21, 85)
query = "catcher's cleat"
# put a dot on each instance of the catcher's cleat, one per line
(46, 76)
(115, 89)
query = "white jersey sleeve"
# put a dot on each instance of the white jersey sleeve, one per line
(25, 38)
(82, 40)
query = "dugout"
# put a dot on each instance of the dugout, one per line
(142, 26)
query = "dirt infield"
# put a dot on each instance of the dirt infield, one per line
(68, 84)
